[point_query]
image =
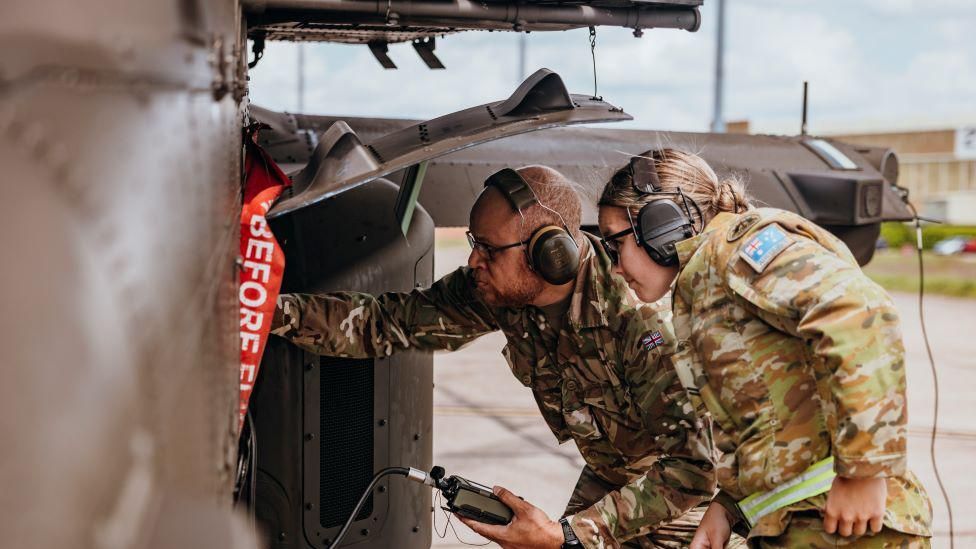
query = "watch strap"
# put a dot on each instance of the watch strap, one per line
(570, 541)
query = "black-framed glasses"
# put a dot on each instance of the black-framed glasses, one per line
(612, 246)
(488, 249)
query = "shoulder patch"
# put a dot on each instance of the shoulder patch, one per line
(742, 226)
(652, 340)
(762, 248)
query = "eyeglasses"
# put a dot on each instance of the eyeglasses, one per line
(488, 249)
(612, 247)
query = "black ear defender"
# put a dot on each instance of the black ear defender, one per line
(660, 224)
(552, 252)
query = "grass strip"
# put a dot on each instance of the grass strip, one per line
(950, 286)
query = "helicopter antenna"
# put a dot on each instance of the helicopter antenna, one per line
(803, 124)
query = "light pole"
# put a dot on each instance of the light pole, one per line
(301, 77)
(521, 64)
(718, 124)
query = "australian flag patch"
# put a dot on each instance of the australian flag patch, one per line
(652, 340)
(762, 248)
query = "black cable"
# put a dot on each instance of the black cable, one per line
(593, 55)
(247, 456)
(437, 505)
(935, 377)
(448, 524)
(252, 496)
(451, 524)
(369, 490)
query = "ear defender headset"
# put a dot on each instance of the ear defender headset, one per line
(552, 252)
(660, 224)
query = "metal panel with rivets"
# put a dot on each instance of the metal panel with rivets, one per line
(120, 126)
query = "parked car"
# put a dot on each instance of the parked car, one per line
(970, 246)
(950, 246)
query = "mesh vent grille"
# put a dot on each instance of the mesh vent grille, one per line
(346, 438)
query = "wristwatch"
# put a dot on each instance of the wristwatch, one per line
(570, 541)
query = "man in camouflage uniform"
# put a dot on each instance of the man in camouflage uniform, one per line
(591, 356)
(798, 356)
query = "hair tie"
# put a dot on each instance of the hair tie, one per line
(726, 186)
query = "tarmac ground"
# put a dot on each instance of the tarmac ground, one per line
(487, 427)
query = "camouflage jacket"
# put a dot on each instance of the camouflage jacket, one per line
(797, 355)
(600, 381)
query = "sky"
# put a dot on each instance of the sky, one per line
(873, 65)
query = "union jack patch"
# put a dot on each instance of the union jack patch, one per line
(652, 340)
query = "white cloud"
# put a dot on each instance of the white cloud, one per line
(927, 8)
(893, 7)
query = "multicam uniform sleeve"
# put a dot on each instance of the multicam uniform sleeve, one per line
(851, 330)
(683, 475)
(355, 325)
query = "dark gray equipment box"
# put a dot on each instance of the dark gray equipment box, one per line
(324, 425)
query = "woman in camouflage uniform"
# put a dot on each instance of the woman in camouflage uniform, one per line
(795, 354)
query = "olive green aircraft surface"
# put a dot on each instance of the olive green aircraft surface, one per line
(122, 123)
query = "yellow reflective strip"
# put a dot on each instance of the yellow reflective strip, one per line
(759, 498)
(810, 488)
(814, 481)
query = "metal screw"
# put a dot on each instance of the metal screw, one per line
(382, 489)
(382, 423)
(309, 436)
(416, 529)
(416, 436)
(308, 506)
(364, 531)
(282, 536)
